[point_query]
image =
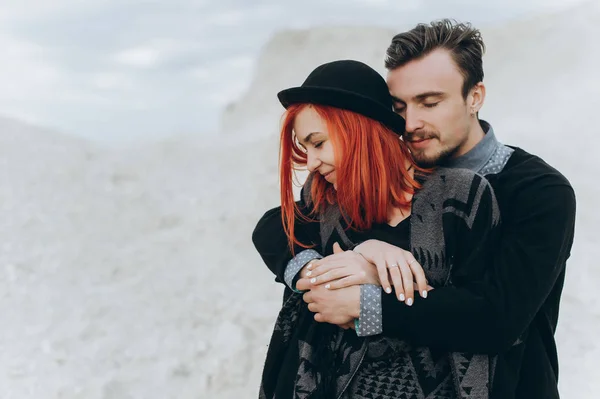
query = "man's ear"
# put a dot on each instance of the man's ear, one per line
(476, 98)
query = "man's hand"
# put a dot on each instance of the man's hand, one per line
(334, 306)
(401, 265)
(340, 270)
(348, 326)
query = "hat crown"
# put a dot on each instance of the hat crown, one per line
(351, 76)
(349, 85)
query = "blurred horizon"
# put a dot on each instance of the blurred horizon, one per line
(121, 71)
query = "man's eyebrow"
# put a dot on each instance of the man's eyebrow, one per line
(423, 96)
(397, 100)
(420, 97)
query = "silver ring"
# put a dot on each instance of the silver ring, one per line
(392, 265)
(411, 262)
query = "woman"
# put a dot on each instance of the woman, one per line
(363, 184)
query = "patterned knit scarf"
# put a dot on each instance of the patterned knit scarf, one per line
(301, 349)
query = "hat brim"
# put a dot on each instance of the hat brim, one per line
(346, 100)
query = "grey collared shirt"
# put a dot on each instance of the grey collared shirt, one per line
(489, 156)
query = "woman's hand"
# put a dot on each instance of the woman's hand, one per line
(340, 270)
(403, 268)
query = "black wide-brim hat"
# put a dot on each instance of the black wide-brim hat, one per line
(349, 85)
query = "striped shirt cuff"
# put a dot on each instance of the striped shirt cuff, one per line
(296, 264)
(370, 321)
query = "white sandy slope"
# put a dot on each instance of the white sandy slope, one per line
(130, 274)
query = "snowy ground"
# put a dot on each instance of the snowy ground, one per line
(130, 273)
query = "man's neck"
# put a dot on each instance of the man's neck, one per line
(476, 134)
(479, 153)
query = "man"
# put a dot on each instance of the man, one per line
(435, 76)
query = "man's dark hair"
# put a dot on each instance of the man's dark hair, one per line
(462, 40)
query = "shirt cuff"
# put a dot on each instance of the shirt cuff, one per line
(296, 264)
(370, 321)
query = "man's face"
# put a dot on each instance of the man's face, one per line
(439, 120)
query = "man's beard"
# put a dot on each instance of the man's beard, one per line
(437, 159)
(433, 160)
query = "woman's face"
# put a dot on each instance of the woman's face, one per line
(313, 136)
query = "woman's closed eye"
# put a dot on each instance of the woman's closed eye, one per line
(430, 105)
(318, 145)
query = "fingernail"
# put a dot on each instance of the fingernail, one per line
(309, 266)
(313, 280)
(388, 290)
(401, 297)
(425, 294)
(409, 301)
(308, 274)
(327, 286)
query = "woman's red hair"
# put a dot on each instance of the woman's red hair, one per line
(371, 170)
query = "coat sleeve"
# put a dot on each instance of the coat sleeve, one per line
(271, 242)
(495, 298)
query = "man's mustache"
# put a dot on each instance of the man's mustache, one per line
(420, 136)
